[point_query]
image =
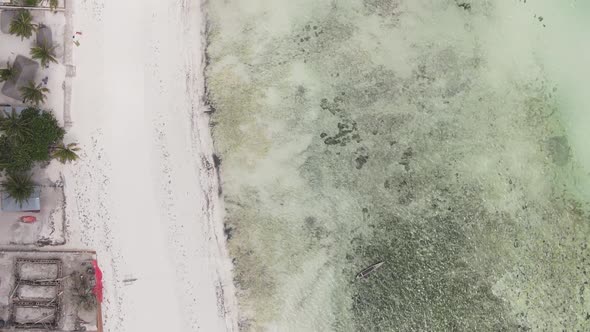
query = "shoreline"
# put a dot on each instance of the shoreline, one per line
(144, 194)
(209, 171)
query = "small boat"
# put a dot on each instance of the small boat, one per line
(368, 270)
(28, 219)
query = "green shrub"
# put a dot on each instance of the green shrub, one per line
(13, 158)
(42, 134)
(46, 133)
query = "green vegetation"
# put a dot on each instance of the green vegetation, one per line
(44, 53)
(53, 4)
(19, 186)
(27, 138)
(66, 153)
(31, 3)
(7, 73)
(83, 286)
(34, 94)
(33, 136)
(22, 24)
(15, 127)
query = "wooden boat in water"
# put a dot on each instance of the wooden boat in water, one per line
(368, 270)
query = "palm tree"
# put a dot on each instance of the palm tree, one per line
(66, 153)
(15, 127)
(19, 186)
(34, 94)
(44, 53)
(22, 24)
(7, 73)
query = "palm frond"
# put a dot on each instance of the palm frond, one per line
(22, 24)
(15, 127)
(19, 186)
(44, 53)
(34, 94)
(66, 153)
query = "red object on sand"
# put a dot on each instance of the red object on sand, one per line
(98, 276)
(28, 219)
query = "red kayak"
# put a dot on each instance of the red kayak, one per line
(28, 219)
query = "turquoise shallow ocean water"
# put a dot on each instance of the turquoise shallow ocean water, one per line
(448, 139)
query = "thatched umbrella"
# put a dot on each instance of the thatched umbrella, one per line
(6, 17)
(44, 37)
(26, 70)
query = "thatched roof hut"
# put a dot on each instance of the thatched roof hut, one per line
(44, 36)
(6, 17)
(26, 70)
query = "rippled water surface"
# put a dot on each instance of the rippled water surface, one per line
(448, 139)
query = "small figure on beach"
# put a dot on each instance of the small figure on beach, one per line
(74, 37)
(129, 280)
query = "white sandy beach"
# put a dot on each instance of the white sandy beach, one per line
(142, 194)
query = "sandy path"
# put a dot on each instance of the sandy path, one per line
(142, 194)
